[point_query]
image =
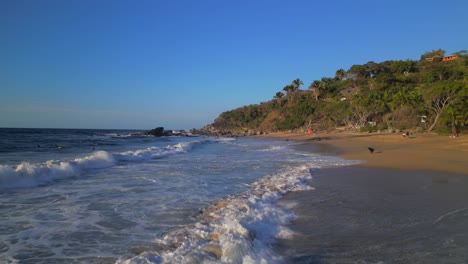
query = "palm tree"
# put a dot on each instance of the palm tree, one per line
(278, 95)
(288, 89)
(316, 86)
(340, 74)
(296, 84)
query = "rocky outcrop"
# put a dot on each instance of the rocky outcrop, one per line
(157, 132)
(213, 132)
(205, 131)
(160, 132)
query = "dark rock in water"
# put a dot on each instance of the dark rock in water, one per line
(157, 132)
(205, 131)
(160, 132)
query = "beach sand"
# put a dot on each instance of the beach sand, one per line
(418, 152)
(406, 203)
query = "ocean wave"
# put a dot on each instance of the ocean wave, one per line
(118, 135)
(28, 174)
(155, 152)
(237, 229)
(273, 148)
(127, 135)
(241, 227)
(223, 139)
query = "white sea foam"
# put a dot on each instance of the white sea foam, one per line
(155, 152)
(224, 139)
(240, 228)
(273, 148)
(119, 135)
(237, 229)
(29, 175)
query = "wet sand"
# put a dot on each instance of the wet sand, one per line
(371, 215)
(406, 203)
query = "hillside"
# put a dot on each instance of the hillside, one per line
(425, 95)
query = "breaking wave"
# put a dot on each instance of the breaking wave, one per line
(240, 228)
(29, 174)
(237, 229)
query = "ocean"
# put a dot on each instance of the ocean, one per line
(114, 196)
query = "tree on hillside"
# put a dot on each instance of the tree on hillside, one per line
(316, 86)
(400, 67)
(372, 69)
(442, 94)
(453, 120)
(340, 74)
(433, 53)
(362, 107)
(297, 84)
(406, 95)
(288, 89)
(357, 72)
(278, 95)
(393, 94)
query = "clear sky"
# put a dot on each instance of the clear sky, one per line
(180, 63)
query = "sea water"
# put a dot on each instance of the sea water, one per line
(103, 196)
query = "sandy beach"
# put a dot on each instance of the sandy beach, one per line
(405, 203)
(374, 215)
(417, 152)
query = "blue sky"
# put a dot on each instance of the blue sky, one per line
(180, 63)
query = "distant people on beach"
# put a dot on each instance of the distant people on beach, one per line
(407, 134)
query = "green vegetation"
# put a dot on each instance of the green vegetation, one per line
(425, 95)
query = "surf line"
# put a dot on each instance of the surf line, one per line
(447, 214)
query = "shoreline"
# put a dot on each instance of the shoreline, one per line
(429, 152)
(397, 206)
(359, 214)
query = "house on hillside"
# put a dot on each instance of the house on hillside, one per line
(450, 58)
(440, 58)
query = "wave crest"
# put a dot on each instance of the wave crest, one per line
(29, 175)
